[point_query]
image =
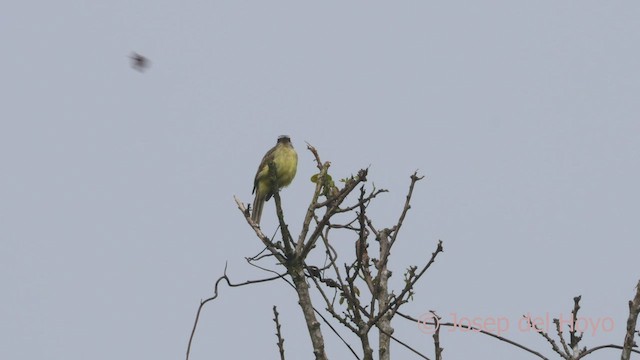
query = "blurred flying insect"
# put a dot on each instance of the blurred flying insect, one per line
(139, 62)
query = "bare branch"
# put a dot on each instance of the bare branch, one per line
(315, 155)
(405, 345)
(278, 333)
(331, 309)
(574, 340)
(304, 300)
(394, 305)
(546, 336)
(312, 207)
(362, 201)
(634, 309)
(436, 338)
(215, 295)
(382, 296)
(342, 194)
(594, 349)
(560, 335)
(337, 334)
(407, 205)
(256, 228)
(281, 276)
(286, 236)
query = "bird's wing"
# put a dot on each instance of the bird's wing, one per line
(268, 157)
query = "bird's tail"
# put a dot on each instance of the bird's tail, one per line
(258, 204)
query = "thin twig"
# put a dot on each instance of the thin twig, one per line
(393, 305)
(405, 345)
(281, 276)
(312, 207)
(565, 347)
(610, 346)
(546, 336)
(407, 205)
(343, 193)
(256, 228)
(574, 340)
(501, 338)
(634, 309)
(278, 333)
(315, 155)
(215, 295)
(436, 338)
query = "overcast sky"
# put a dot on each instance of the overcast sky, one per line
(116, 186)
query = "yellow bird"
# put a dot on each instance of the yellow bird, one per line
(285, 158)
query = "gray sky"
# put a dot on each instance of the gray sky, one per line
(116, 208)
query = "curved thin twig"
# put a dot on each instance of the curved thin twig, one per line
(215, 295)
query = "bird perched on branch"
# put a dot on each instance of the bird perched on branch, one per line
(285, 158)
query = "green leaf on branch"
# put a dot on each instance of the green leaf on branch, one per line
(327, 183)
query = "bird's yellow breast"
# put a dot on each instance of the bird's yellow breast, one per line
(286, 161)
